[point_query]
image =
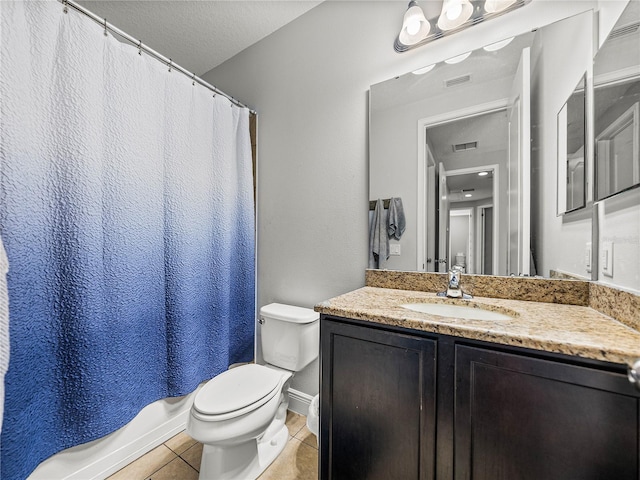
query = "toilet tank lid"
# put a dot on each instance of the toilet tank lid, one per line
(289, 313)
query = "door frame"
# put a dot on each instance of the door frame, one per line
(423, 153)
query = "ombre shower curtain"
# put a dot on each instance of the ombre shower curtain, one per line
(126, 210)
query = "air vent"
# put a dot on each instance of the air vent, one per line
(461, 147)
(452, 82)
(625, 30)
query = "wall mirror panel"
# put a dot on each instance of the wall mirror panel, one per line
(571, 151)
(489, 115)
(457, 174)
(616, 73)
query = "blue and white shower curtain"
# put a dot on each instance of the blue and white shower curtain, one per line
(126, 210)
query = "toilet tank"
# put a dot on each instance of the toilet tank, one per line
(290, 336)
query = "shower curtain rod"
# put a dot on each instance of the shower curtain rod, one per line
(142, 47)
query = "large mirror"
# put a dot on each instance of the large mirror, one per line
(471, 159)
(457, 141)
(616, 73)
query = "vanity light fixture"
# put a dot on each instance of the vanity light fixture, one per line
(423, 70)
(468, 195)
(456, 15)
(483, 174)
(457, 58)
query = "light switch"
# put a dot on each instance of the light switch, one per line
(587, 257)
(394, 249)
(607, 258)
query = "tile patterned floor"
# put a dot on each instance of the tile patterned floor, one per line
(179, 458)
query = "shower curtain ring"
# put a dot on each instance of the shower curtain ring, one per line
(170, 62)
(193, 80)
(105, 28)
(139, 47)
(65, 9)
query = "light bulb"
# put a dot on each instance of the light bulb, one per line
(413, 26)
(454, 11)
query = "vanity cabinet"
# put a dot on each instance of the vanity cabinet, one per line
(404, 404)
(531, 419)
(378, 403)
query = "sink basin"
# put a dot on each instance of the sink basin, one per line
(456, 311)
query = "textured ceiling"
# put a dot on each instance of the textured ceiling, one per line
(199, 35)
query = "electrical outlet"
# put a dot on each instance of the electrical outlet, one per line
(394, 249)
(587, 257)
(607, 258)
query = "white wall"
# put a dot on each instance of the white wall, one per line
(309, 83)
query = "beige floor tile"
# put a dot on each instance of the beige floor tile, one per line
(143, 467)
(305, 436)
(193, 455)
(297, 461)
(180, 442)
(295, 422)
(177, 469)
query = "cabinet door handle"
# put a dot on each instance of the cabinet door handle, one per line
(634, 373)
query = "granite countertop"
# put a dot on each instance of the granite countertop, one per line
(567, 329)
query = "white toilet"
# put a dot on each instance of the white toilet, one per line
(240, 415)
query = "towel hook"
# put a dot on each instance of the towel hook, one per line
(105, 28)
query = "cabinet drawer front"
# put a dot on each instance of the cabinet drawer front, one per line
(378, 404)
(530, 419)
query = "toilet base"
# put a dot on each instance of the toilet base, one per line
(230, 463)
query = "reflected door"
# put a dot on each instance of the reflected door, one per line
(519, 164)
(443, 220)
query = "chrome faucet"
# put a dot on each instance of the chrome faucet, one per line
(453, 288)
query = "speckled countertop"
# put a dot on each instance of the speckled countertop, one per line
(568, 329)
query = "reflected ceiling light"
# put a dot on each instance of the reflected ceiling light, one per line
(498, 45)
(457, 59)
(423, 70)
(415, 26)
(483, 174)
(467, 195)
(494, 6)
(454, 13)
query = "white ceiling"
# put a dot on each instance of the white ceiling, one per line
(199, 35)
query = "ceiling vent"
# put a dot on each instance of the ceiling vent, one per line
(625, 30)
(462, 147)
(452, 82)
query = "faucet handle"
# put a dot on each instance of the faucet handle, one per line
(454, 278)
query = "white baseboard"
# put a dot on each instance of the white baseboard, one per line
(154, 425)
(299, 402)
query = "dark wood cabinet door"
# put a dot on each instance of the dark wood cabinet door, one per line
(526, 418)
(378, 404)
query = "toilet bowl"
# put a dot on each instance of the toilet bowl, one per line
(240, 415)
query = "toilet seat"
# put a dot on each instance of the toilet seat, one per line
(237, 391)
